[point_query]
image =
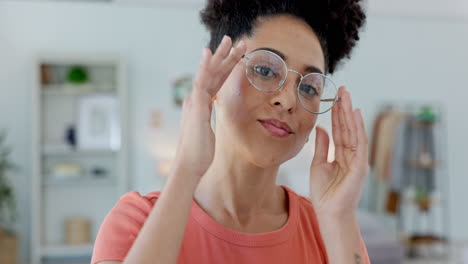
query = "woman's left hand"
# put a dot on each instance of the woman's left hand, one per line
(336, 187)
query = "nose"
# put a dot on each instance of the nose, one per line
(286, 97)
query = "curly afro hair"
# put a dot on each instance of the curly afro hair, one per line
(335, 22)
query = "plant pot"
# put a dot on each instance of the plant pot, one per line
(8, 248)
(424, 204)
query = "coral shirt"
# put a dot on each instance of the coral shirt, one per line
(206, 241)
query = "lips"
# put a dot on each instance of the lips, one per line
(276, 127)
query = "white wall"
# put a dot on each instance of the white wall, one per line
(141, 36)
(410, 60)
(426, 8)
(398, 58)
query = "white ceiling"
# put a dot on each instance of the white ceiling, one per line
(418, 8)
(445, 8)
(438, 8)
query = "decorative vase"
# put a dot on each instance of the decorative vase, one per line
(8, 248)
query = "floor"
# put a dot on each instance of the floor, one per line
(457, 255)
(429, 261)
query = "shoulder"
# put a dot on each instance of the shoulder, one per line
(122, 225)
(303, 203)
(303, 210)
(132, 207)
(308, 218)
(308, 215)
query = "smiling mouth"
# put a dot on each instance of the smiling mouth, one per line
(275, 129)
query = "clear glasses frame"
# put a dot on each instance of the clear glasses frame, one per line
(281, 84)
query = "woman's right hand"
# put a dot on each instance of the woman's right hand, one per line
(196, 144)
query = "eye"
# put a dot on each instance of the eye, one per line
(307, 89)
(264, 71)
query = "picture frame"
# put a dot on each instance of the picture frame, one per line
(181, 88)
(98, 123)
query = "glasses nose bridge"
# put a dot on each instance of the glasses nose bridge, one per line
(296, 72)
(284, 81)
(287, 73)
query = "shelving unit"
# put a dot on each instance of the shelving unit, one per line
(421, 241)
(66, 251)
(92, 179)
(418, 208)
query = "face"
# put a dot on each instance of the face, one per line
(243, 113)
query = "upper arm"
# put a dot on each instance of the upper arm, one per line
(364, 251)
(120, 228)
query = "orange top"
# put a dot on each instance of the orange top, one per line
(206, 241)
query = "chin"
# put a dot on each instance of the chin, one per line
(267, 158)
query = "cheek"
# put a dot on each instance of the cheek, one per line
(307, 125)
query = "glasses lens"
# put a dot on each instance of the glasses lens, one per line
(317, 93)
(265, 71)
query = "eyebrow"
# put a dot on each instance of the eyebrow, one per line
(307, 68)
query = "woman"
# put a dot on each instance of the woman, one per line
(221, 203)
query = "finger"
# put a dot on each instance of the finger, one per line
(222, 51)
(345, 139)
(204, 68)
(322, 142)
(336, 131)
(227, 65)
(199, 82)
(349, 120)
(233, 58)
(206, 57)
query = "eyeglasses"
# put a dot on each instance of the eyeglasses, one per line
(267, 72)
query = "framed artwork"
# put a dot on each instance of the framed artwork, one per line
(181, 88)
(98, 125)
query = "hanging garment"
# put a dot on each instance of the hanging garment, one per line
(375, 132)
(398, 167)
(385, 143)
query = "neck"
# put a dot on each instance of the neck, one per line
(237, 190)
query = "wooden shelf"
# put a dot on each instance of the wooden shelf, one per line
(66, 250)
(419, 123)
(414, 200)
(418, 165)
(107, 181)
(64, 150)
(70, 89)
(423, 240)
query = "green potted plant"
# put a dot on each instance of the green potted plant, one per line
(8, 239)
(77, 79)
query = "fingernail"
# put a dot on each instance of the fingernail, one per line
(241, 44)
(357, 114)
(224, 39)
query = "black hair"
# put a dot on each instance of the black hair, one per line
(335, 22)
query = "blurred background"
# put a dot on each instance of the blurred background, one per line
(90, 96)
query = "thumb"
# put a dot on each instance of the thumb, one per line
(321, 145)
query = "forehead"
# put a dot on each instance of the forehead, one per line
(293, 37)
